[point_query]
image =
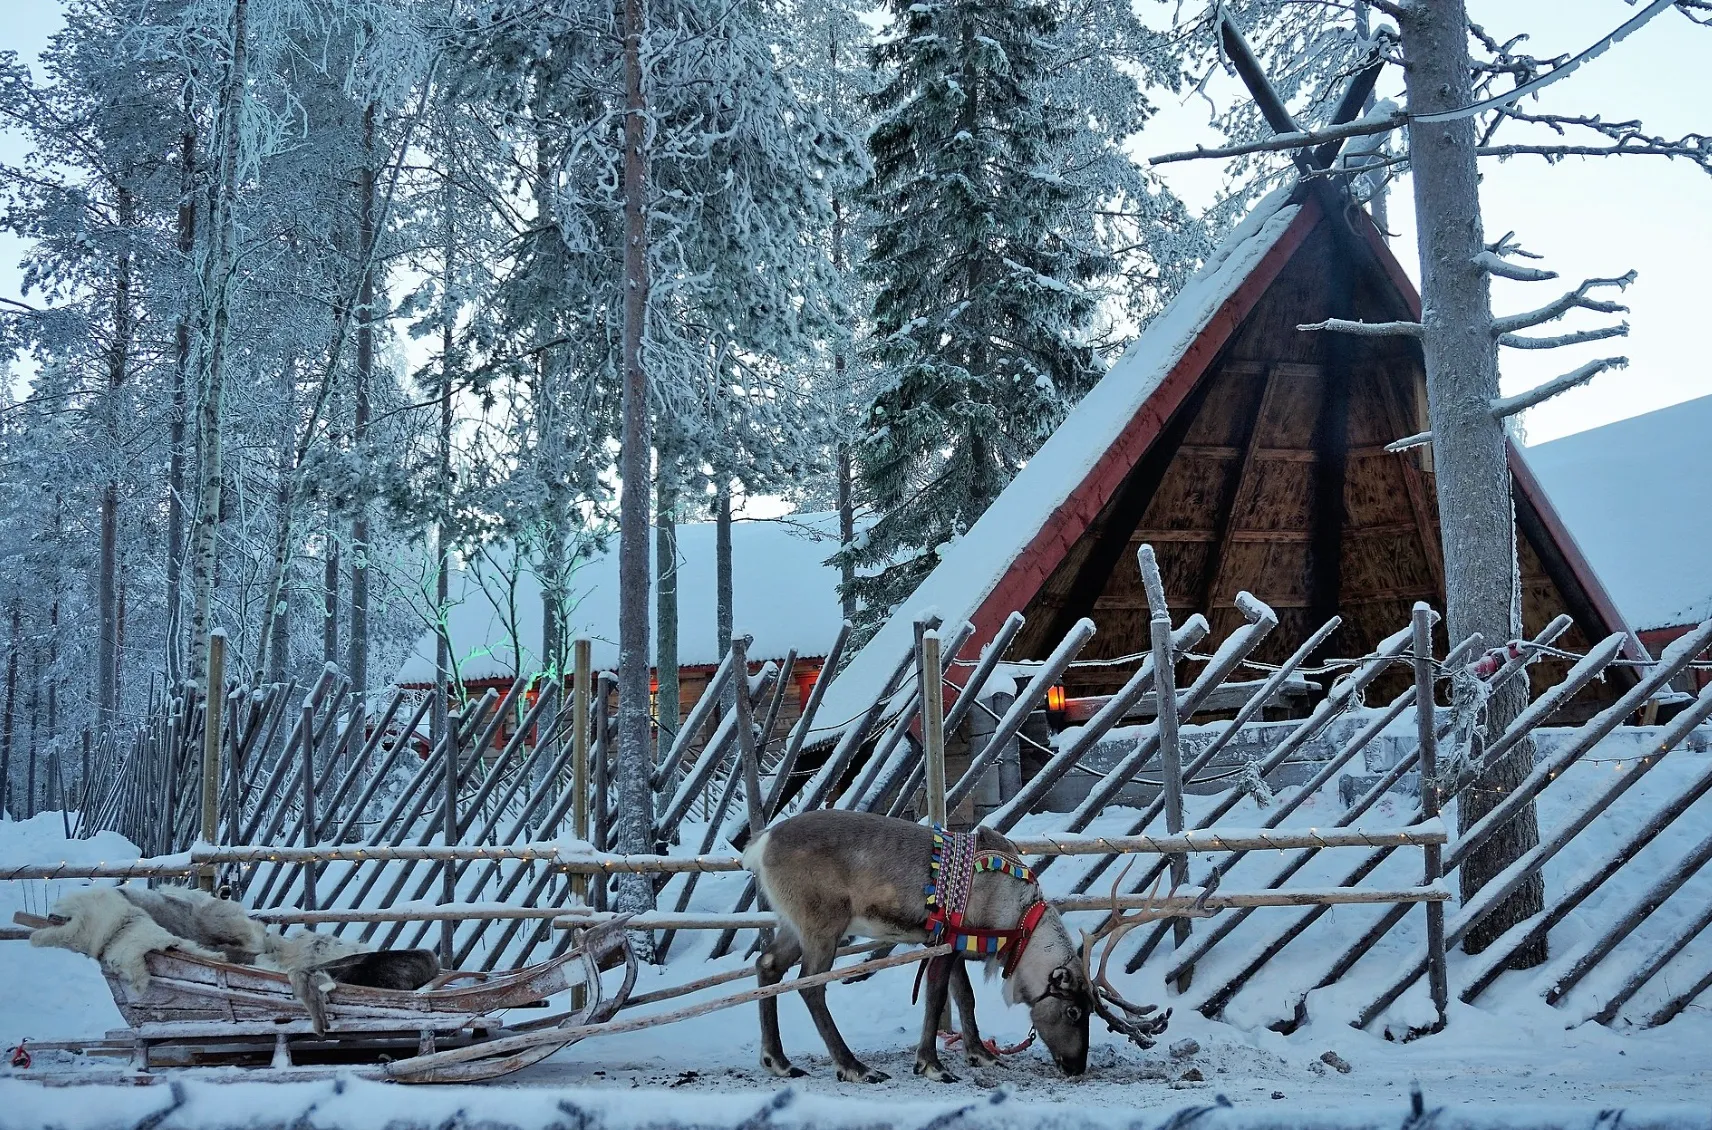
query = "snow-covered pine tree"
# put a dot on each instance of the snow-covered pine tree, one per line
(983, 307)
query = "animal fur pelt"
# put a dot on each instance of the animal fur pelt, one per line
(119, 926)
(301, 958)
(102, 923)
(218, 923)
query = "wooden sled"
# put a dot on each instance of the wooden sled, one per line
(197, 1012)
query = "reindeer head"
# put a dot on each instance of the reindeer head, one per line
(1060, 1017)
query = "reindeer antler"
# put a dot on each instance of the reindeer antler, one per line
(1137, 1022)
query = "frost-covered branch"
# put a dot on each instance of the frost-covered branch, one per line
(1556, 74)
(1576, 299)
(1505, 406)
(1365, 329)
(1301, 139)
(1492, 263)
(1579, 337)
(1409, 443)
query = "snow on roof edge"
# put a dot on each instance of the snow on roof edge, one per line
(970, 568)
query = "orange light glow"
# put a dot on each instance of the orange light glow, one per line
(1055, 699)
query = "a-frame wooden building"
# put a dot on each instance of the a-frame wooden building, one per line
(1251, 455)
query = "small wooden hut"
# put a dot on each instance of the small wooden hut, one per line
(1251, 454)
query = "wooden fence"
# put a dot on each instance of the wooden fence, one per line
(368, 825)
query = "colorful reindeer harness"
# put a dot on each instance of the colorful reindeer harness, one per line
(951, 872)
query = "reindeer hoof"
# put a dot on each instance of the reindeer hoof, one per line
(985, 1058)
(783, 1068)
(857, 1073)
(934, 1071)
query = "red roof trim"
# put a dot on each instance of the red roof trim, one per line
(1028, 573)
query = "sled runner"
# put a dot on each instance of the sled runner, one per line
(201, 1012)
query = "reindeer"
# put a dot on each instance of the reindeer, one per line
(833, 873)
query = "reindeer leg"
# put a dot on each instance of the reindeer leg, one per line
(770, 969)
(938, 977)
(963, 993)
(817, 958)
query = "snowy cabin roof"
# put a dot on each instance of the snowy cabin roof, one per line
(1631, 493)
(783, 594)
(1007, 558)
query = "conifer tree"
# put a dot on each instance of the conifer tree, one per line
(983, 303)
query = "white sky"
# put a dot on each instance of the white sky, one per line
(1587, 216)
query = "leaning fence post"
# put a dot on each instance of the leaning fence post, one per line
(213, 712)
(308, 782)
(932, 724)
(449, 826)
(1429, 766)
(1170, 750)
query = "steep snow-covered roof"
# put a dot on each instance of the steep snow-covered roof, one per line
(783, 594)
(1632, 494)
(971, 567)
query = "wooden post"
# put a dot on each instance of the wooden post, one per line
(213, 713)
(932, 725)
(1170, 750)
(1437, 979)
(602, 747)
(307, 776)
(449, 827)
(581, 671)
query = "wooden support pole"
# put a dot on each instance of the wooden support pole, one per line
(1170, 750)
(306, 777)
(582, 683)
(1437, 977)
(582, 661)
(449, 828)
(933, 727)
(601, 863)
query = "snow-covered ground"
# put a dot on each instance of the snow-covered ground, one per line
(1509, 1048)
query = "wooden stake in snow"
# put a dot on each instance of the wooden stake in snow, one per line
(933, 726)
(213, 708)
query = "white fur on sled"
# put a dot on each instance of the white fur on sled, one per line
(107, 926)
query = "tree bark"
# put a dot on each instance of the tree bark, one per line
(630, 773)
(279, 616)
(722, 582)
(442, 528)
(218, 282)
(359, 642)
(107, 583)
(8, 721)
(180, 378)
(330, 593)
(666, 609)
(1473, 474)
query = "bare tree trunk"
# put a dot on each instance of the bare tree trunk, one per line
(8, 722)
(722, 568)
(630, 773)
(107, 583)
(359, 642)
(1473, 474)
(217, 282)
(278, 617)
(28, 808)
(330, 593)
(442, 528)
(840, 365)
(180, 377)
(666, 606)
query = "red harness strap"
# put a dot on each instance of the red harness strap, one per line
(1011, 942)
